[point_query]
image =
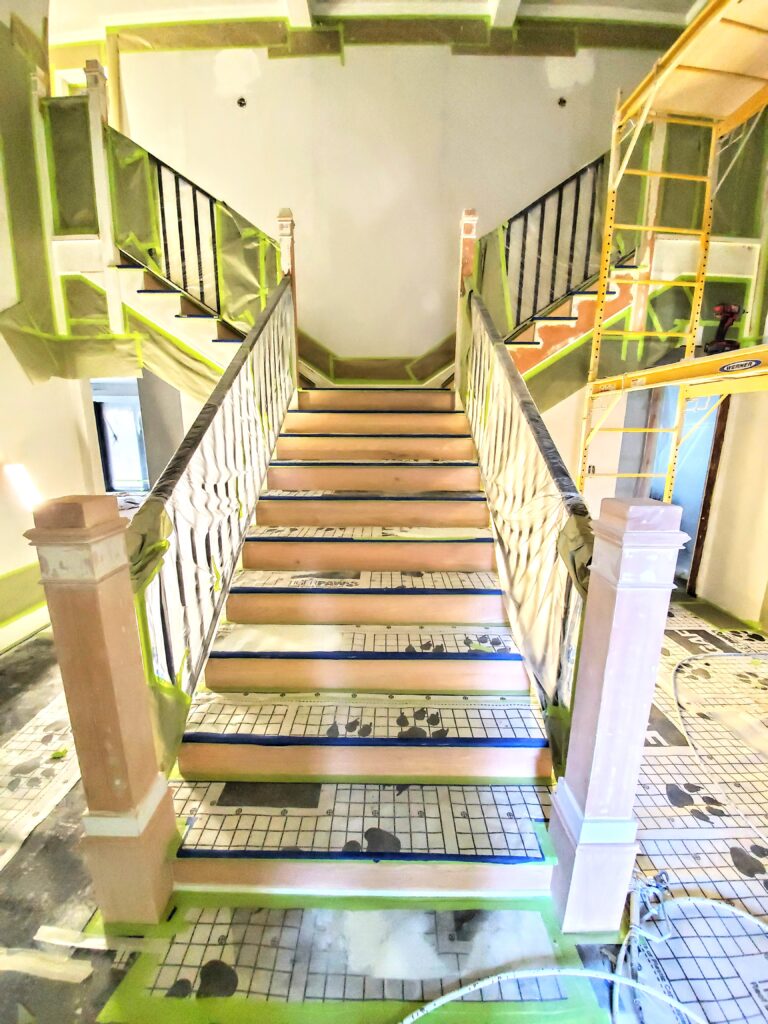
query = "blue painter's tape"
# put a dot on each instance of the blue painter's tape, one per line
(366, 463)
(379, 436)
(371, 655)
(371, 540)
(364, 496)
(248, 739)
(367, 592)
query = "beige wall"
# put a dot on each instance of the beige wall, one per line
(734, 568)
(377, 157)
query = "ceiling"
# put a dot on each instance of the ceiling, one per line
(495, 27)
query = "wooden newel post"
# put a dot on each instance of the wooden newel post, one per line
(592, 827)
(467, 248)
(130, 826)
(287, 238)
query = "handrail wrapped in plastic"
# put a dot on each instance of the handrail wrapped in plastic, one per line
(539, 518)
(185, 540)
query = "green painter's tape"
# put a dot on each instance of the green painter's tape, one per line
(132, 1004)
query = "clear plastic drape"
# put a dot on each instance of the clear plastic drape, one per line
(539, 518)
(185, 540)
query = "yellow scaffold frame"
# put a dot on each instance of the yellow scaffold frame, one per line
(704, 84)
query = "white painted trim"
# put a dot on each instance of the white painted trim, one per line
(128, 826)
(600, 12)
(591, 831)
(86, 562)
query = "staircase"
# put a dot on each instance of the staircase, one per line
(367, 724)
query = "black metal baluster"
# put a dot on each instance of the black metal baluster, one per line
(538, 257)
(556, 245)
(523, 247)
(591, 225)
(197, 244)
(574, 225)
(180, 226)
(212, 204)
(161, 201)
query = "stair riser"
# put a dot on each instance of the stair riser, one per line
(435, 448)
(398, 879)
(375, 423)
(348, 398)
(402, 479)
(371, 513)
(293, 675)
(375, 609)
(403, 764)
(357, 555)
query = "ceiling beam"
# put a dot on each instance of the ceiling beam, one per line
(299, 13)
(503, 12)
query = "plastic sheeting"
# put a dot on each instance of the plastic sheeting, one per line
(185, 541)
(69, 148)
(135, 200)
(249, 267)
(536, 257)
(539, 518)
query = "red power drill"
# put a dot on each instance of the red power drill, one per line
(727, 313)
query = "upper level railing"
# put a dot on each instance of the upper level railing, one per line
(181, 232)
(540, 520)
(185, 540)
(543, 252)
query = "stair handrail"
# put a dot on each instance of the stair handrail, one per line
(563, 228)
(539, 519)
(185, 540)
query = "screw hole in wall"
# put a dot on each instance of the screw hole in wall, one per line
(241, 102)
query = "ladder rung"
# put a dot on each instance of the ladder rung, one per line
(637, 430)
(659, 229)
(631, 476)
(692, 122)
(651, 281)
(648, 334)
(672, 176)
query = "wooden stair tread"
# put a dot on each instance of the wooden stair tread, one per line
(278, 495)
(366, 719)
(365, 582)
(371, 534)
(362, 821)
(363, 642)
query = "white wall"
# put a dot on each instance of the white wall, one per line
(43, 427)
(377, 157)
(563, 421)
(734, 568)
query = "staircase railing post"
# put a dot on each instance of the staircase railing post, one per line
(287, 238)
(97, 119)
(130, 826)
(467, 250)
(592, 827)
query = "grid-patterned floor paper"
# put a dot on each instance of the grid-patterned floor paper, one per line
(266, 964)
(38, 767)
(362, 533)
(423, 640)
(370, 716)
(363, 580)
(337, 819)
